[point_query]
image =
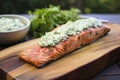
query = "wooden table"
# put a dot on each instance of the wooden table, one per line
(112, 72)
(114, 18)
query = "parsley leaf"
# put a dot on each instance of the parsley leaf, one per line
(46, 19)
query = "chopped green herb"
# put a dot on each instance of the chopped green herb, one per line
(68, 29)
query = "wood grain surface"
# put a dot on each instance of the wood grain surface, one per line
(78, 65)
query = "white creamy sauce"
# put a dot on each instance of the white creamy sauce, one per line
(10, 24)
(70, 28)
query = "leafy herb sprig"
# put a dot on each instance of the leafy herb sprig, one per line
(46, 19)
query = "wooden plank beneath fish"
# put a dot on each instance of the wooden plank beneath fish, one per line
(78, 65)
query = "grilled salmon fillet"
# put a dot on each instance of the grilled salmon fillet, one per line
(39, 56)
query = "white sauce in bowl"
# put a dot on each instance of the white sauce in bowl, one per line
(10, 24)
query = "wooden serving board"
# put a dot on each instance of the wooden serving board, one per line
(78, 65)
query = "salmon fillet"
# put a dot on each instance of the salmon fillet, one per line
(40, 56)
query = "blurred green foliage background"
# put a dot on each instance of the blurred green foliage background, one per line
(86, 6)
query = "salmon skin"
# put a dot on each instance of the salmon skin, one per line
(39, 56)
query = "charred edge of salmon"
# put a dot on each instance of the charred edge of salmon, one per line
(40, 56)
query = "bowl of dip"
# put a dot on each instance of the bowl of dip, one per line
(13, 28)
